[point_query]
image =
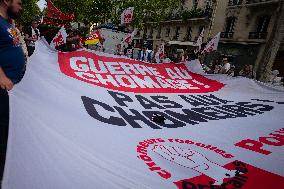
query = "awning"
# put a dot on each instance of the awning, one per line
(182, 43)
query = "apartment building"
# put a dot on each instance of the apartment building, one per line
(249, 30)
(183, 26)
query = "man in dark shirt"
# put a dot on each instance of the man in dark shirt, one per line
(12, 63)
(31, 36)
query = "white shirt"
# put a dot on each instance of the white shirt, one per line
(226, 67)
(167, 60)
(144, 56)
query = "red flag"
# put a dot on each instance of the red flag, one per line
(94, 35)
(129, 37)
(212, 45)
(59, 39)
(200, 40)
(127, 15)
(53, 12)
(93, 38)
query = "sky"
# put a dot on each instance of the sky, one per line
(41, 4)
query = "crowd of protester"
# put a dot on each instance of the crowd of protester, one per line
(223, 66)
(73, 41)
(18, 43)
(217, 66)
(146, 55)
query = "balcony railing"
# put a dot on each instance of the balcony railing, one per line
(227, 35)
(187, 38)
(235, 2)
(260, 1)
(175, 37)
(257, 35)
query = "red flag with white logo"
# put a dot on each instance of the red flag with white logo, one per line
(94, 38)
(200, 40)
(129, 37)
(59, 39)
(212, 45)
(127, 15)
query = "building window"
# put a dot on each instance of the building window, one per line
(235, 2)
(151, 33)
(188, 34)
(199, 32)
(263, 23)
(158, 33)
(200, 29)
(168, 31)
(209, 3)
(145, 31)
(195, 3)
(261, 28)
(208, 8)
(229, 28)
(177, 32)
(230, 24)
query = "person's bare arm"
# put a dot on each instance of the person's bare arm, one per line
(5, 82)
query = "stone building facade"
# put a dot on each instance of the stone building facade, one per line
(178, 30)
(249, 28)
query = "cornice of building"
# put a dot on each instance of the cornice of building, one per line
(251, 3)
(202, 19)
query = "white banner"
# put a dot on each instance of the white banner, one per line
(86, 120)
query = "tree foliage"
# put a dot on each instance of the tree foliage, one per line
(30, 11)
(149, 10)
(100, 11)
(90, 11)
